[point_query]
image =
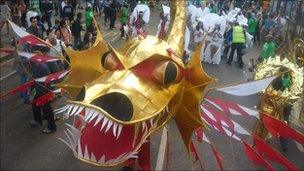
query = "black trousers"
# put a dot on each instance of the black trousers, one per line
(112, 20)
(238, 47)
(49, 115)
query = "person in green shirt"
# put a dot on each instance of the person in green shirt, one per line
(252, 24)
(89, 18)
(36, 4)
(268, 49)
(212, 8)
(123, 19)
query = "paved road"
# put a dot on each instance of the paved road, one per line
(25, 148)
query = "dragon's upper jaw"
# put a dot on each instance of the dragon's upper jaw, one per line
(98, 140)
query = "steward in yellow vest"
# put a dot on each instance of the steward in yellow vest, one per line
(238, 35)
(238, 42)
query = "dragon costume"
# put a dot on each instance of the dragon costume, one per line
(286, 90)
(120, 97)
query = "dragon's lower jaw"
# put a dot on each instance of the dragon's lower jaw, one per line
(103, 142)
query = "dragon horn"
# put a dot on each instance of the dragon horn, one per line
(176, 35)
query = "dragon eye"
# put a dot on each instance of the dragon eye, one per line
(166, 72)
(109, 61)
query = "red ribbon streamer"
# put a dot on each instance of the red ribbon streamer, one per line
(199, 135)
(278, 128)
(226, 105)
(255, 157)
(218, 157)
(266, 150)
(20, 88)
(42, 100)
(193, 151)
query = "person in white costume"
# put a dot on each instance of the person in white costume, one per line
(198, 33)
(164, 22)
(139, 17)
(212, 52)
(215, 27)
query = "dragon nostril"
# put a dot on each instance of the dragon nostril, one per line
(81, 94)
(116, 104)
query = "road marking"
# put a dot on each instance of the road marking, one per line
(114, 38)
(300, 146)
(105, 35)
(6, 62)
(8, 75)
(162, 150)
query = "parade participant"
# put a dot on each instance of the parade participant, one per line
(76, 31)
(88, 40)
(279, 28)
(64, 33)
(164, 22)
(212, 52)
(267, 25)
(269, 48)
(23, 9)
(89, 19)
(16, 14)
(123, 20)
(106, 11)
(41, 25)
(68, 11)
(62, 5)
(47, 10)
(34, 28)
(227, 40)
(54, 66)
(238, 42)
(21, 65)
(31, 13)
(56, 25)
(212, 8)
(112, 12)
(5, 14)
(198, 33)
(56, 43)
(138, 19)
(252, 24)
(40, 70)
(35, 4)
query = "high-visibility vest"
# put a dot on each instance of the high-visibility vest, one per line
(238, 35)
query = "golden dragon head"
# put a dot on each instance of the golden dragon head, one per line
(120, 97)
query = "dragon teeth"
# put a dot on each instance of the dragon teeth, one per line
(102, 159)
(79, 110)
(94, 115)
(119, 129)
(109, 125)
(88, 113)
(110, 162)
(93, 158)
(144, 126)
(70, 107)
(75, 108)
(86, 153)
(79, 151)
(105, 120)
(114, 129)
(98, 119)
